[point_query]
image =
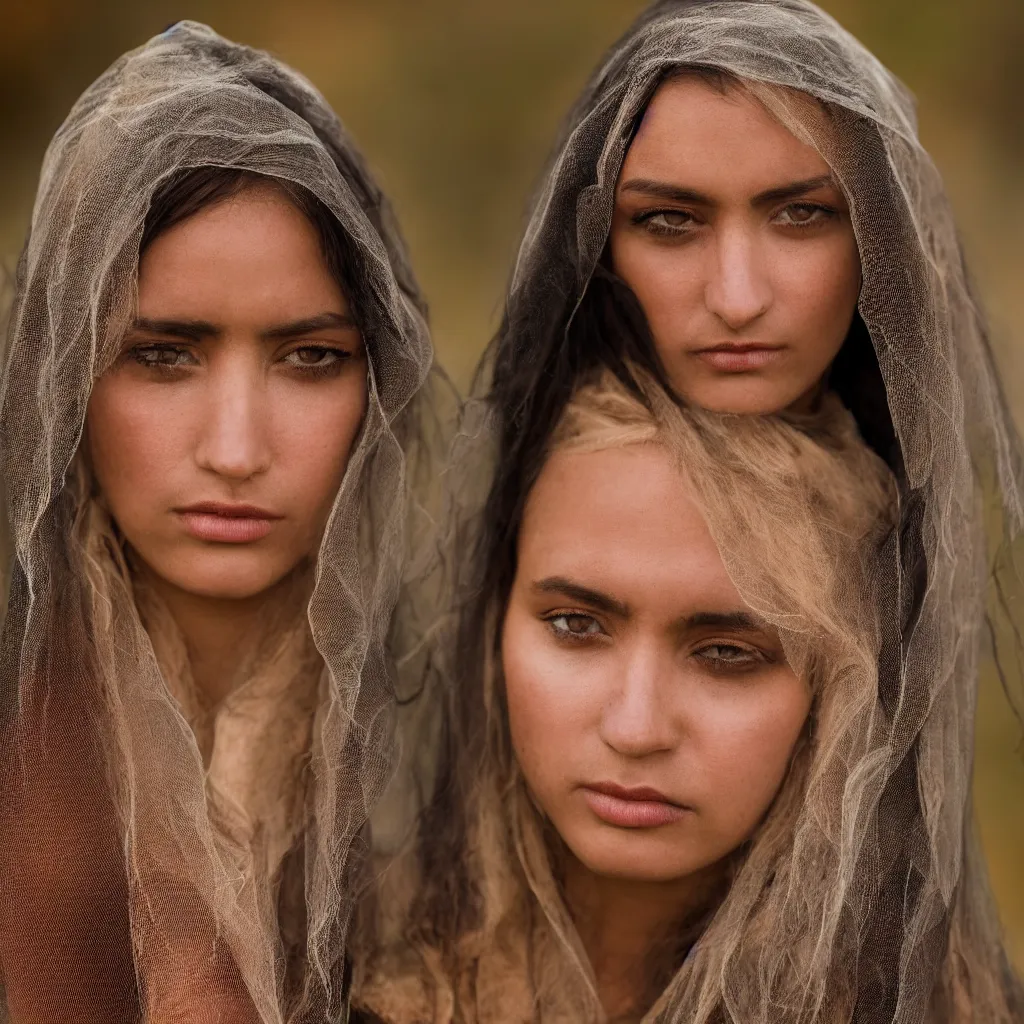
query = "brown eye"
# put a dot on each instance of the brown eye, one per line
(667, 222)
(311, 356)
(726, 657)
(315, 357)
(575, 625)
(161, 356)
(804, 214)
(673, 220)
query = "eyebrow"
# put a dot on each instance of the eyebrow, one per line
(197, 330)
(736, 621)
(585, 595)
(310, 325)
(676, 193)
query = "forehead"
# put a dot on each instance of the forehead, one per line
(623, 519)
(243, 257)
(694, 133)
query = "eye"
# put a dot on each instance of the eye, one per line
(666, 222)
(575, 626)
(804, 215)
(313, 355)
(317, 358)
(722, 657)
(162, 356)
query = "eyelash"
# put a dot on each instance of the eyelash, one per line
(645, 219)
(827, 212)
(330, 369)
(564, 633)
(750, 657)
(138, 354)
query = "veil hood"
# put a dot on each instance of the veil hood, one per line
(895, 897)
(96, 749)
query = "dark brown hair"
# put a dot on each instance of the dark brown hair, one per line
(186, 193)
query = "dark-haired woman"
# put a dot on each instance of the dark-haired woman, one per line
(210, 386)
(739, 204)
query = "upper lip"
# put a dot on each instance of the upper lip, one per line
(740, 346)
(229, 510)
(638, 793)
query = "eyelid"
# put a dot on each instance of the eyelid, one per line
(134, 353)
(644, 215)
(557, 613)
(754, 653)
(177, 345)
(550, 617)
(807, 204)
(334, 346)
(342, 349)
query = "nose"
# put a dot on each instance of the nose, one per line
(635, 722)
(738, 289)
(233, 438)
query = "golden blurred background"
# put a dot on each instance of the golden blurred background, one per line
(456, 102)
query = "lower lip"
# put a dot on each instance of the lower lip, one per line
(632, 813)
(735, 360)
(225, 529)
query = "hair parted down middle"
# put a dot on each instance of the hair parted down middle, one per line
(469, 923)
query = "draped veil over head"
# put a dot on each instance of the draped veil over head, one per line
(898, 907)
(103, 781)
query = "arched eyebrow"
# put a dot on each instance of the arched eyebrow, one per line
(585, 595)
(310, 325)
(188, 330)
(737, 621)
(678, 194)
(197, 330)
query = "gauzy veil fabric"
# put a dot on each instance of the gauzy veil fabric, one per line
(115, 881)
(883, 915)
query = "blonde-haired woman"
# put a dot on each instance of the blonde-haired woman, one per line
(653, 792)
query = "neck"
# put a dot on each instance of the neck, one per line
(623, 922)
(222, 634)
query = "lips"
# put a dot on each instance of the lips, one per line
(225, 523)
(638, 807)
(740, 358)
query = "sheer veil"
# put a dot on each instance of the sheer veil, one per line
(100, 766)
(899, 906)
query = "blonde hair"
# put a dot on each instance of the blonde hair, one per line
(798, 509)
(256, 773)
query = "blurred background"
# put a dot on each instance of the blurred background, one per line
(456, 102)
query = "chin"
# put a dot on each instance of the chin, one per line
(639, 856)
(743, 396)
(224, 576)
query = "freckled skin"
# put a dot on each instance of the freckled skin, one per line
(639, 703)
(733, 270)
(242, 421)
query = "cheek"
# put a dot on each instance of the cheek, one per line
(666, 281)
(549, 704)
(135, 437)
(748, 747)
(820, 286)
(315, 430)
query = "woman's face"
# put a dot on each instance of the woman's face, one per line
(652, 713)
(220, 437)
(737, 241)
